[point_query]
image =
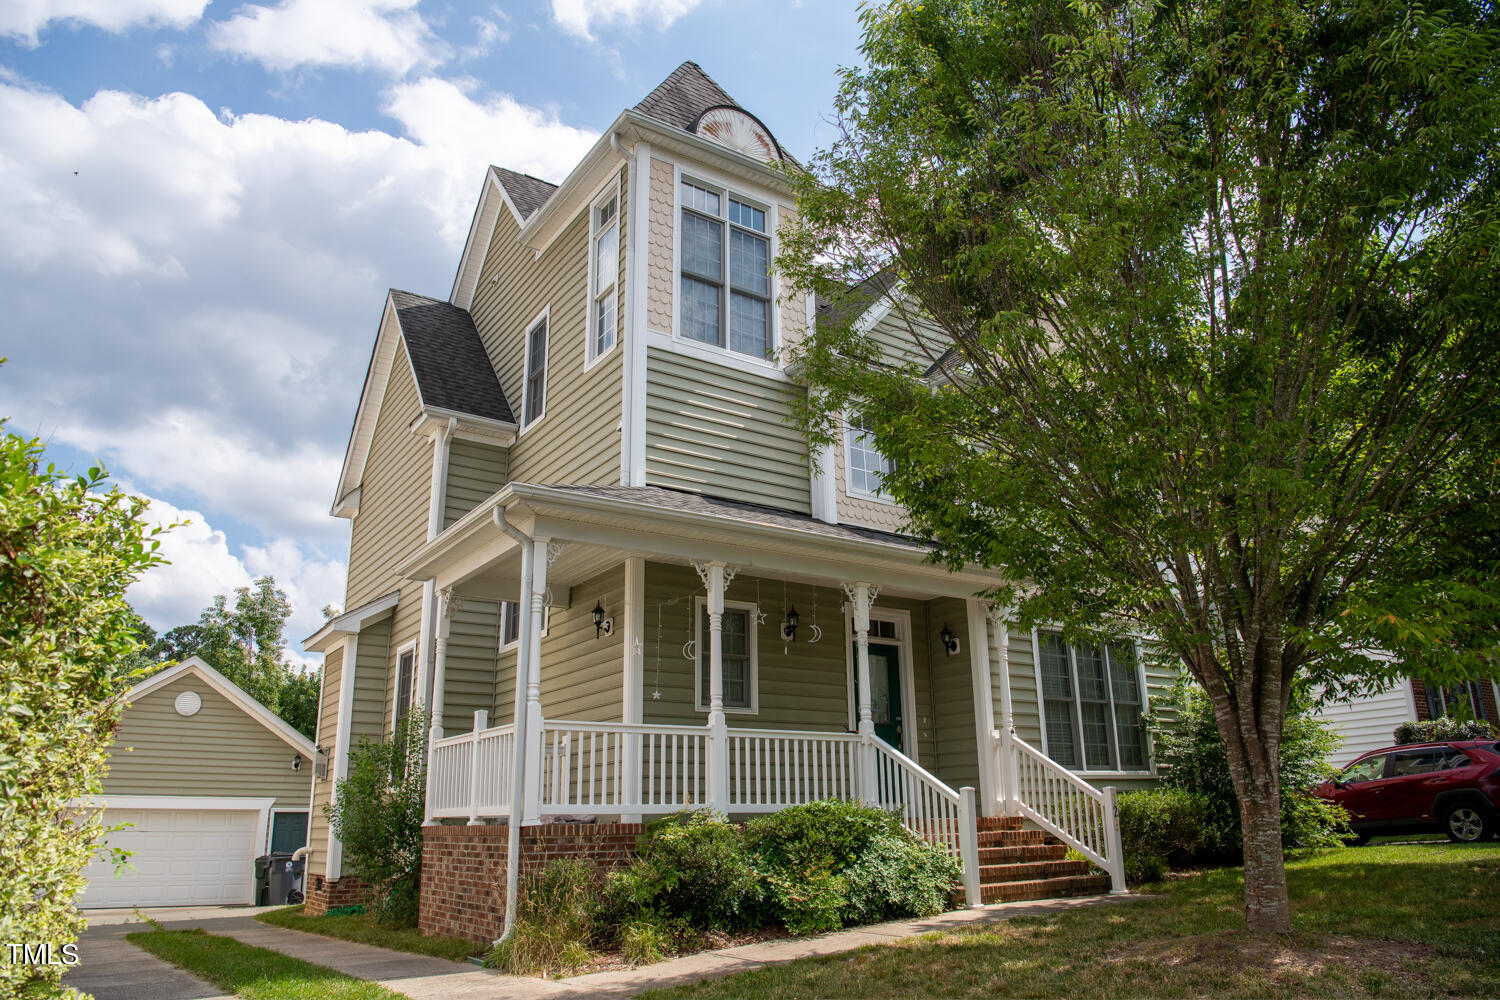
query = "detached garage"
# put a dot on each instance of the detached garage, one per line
(208, 779)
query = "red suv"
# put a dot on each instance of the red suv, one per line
(1451, 787)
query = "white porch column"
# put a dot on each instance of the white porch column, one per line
(446, 602)
(342, 738)
(1006, 758)
(542, 556)
(633, 615)
(860, 595)
(984, 707)
(718, 731)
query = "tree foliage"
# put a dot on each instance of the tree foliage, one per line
(68, 645)
(246, 642)
(1204, 299)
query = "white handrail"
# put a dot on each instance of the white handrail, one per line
(1063, 804)
(469, 776)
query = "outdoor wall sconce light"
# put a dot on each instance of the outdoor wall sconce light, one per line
(602, 626)
(320, 763)
(789, 625)
(949, 640)
(296, 762)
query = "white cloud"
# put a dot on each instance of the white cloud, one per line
(487, 34)
(388, 35)
(202, 565)
(579, 17)
(24, 19)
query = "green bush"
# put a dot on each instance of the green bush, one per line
(899, 876)
(556, 918)
(818, 835)
(1445, 728)
(1161, 829)
(689, 865)
(1192, 758)
(69, 647)
(377, 814)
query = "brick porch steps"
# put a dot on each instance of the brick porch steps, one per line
(1018, 864)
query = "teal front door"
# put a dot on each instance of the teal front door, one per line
(885, 691)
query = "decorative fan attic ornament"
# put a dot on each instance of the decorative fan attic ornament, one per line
(739, 130)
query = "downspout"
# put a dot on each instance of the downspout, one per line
(518, 723)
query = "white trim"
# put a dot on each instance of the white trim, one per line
(824, 488)
(437, 499)
(465, 287)
(715, 355)
(906, 668)
(700, 643)
(545, 316)
(770, 203)
(426, 647)
(271, 824)
(367, 414)
(633, 619)
(333, 867)
(980, 638)
(610, 189)
(633, 371)
(223, 685)
(349, 623)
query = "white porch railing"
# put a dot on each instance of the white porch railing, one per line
(771, 769)
(928, 807)
(596, 766)
(470, 774)
(1085, 818)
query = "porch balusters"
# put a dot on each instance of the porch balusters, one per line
(860, 595)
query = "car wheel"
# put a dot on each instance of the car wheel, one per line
(1465, 823)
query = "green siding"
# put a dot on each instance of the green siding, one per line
(581, 674)
(721, 431)
(475, 473)
(469, 680)
(953, 695)
(368, 716)
(218, 751)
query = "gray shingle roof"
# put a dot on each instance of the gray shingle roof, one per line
(857, 298)
(683, 96)
(451, 365)
(738, 510)
(528, 193)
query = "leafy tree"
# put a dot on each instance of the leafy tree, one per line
(377, 814)
(68, 643)
(1205, 299)
(246, 642)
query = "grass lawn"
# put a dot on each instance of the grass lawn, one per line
(1415, 920)
(361, 927)
(254, 973)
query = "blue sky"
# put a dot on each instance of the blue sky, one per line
(202, 204)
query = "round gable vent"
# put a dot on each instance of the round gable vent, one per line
(188, 703)
(738, 129)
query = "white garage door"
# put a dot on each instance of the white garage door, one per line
(179, 857)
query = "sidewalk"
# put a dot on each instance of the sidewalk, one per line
(424, 978)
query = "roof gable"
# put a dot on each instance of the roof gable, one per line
(526, 193)
(682, 97)
(232, 692)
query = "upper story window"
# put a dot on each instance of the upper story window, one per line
(604, 268)
(1093, 705)
(535, 389)
(726, 296)
(867, 467)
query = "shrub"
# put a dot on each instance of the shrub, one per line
(69, 644)
(689, 865)
(555, 919)
(377, 813)
(1445, 728)
(1161, 829)
(899, 876)
(1192, 758)
(828, 834)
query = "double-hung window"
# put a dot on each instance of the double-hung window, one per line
(1466, 699)
(406, 682)
(738, 639)
(510, 623)
(867, 467)
(535, 389)
(1092, 705)
(605, 268)
(726, 272)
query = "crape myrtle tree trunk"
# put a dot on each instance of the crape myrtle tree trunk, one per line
(1205, 304)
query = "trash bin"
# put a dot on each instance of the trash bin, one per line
(297, 867)
(279, 878)
(262, 879)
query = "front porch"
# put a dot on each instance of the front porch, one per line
(692, 690)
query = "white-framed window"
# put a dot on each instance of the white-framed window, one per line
(739, 657)
(604, 271)
(865, 467)
(725, 271)
(510, 623)
(406, 682)
(1093, 705)
(534, 386)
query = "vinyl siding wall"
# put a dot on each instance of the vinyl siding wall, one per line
(371, 665)
(721, 431)
(1369, 722)
(475, 473)
(218, 751)
(576, 440)
(322, 789)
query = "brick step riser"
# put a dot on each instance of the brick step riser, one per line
(1079, 885)
(1002, 874)
(1015, 855)
(999, 823)
(1012, 838)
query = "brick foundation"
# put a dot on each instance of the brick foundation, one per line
(323, 895)
(463, 868)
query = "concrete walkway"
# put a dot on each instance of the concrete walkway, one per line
(112, 968)
(424, 978)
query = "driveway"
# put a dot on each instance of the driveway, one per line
(112, 968)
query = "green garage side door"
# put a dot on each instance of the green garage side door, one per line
(288, 832)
